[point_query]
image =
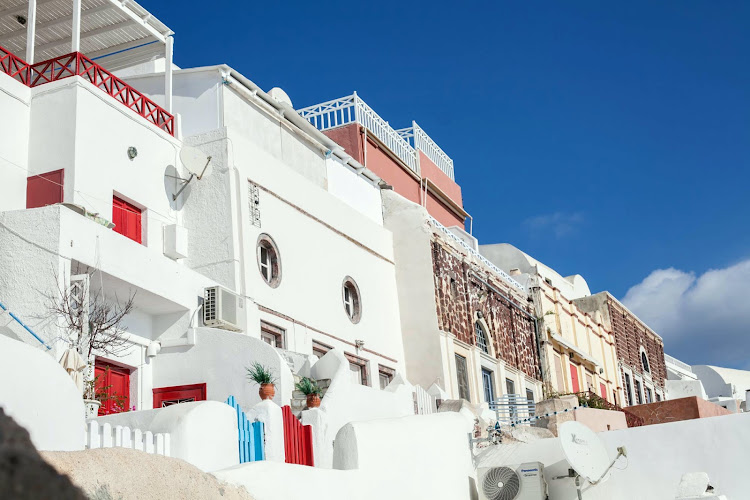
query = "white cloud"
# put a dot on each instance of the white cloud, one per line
(703, 319)
(560, 224)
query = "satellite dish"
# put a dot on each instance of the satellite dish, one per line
(586, 454)
(584, 451)
(280, 96)
(196, 162)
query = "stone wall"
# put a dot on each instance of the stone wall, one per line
(630, 334)
(674, 410)
(461, 294)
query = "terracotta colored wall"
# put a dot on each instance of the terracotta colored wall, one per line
(674, 410)
(512, 332)
(446, 185)
(348, 137)
(378, 161)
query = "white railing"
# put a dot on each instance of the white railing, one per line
(679, 364)
(505, 276)
(352, 109)
(420, 141)
(424, 402)
(106, 436)
(512, 408)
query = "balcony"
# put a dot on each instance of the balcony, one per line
(404, 143)
(77, 64)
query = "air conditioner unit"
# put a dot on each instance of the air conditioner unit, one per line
(221, 308)
(512, 482)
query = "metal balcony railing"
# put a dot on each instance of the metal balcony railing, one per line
(77, 64)
(404, 143)
(419, 140)
(505, 276)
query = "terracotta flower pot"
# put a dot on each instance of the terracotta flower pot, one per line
(313, 401)
(267, 391)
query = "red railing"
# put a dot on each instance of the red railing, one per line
(298, 446)
(76, 64)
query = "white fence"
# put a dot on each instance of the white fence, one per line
(403, 143)
(477, 255)
(424, 402)
(420, 141)
(106, 436)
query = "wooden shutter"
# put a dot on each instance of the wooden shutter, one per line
(127, 219)
(44, 189)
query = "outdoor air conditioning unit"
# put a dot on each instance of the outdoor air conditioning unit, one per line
(512, 482)
(221, 308)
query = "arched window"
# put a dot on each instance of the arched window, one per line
(351, 299)
(269, 262)
(644, 362)
(481, 337)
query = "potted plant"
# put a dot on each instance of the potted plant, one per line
(263, 376)
(310, 388)
(89, 398)
(96, 395)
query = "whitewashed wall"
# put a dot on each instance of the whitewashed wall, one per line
(40, 395)
(15, 101)
(203, 433)
(658, 456)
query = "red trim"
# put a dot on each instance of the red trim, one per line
(76, 64)
(127, 219)
(196, 391)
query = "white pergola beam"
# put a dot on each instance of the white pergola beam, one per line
(54, 22)
(162, 37)
(75, 42)
(83, 36)
(20, 9)
(30, 31)
(168, 73)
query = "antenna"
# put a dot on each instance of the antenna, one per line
(195, 162)
(586, 454)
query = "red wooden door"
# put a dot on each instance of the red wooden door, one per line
(114, 382)
(603, 389)
(298, 445)
(44, 189)
(127, 219)
(574, 377)
(167, 396)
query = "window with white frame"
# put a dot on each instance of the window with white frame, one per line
(481, 337)
(385, 375)
(269, 262)
(644, 361)
(357, 369)
(351, 299)
(272, 335)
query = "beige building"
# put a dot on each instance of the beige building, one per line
(577, 350)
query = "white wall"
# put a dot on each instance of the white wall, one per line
(658, 456)
(346, 401)
(422, 456)
(353, 190)
(203, 433)
(677, 389)
(14, 142)
(40, 395)
(219, 359)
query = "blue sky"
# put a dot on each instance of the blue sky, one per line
(609, 140)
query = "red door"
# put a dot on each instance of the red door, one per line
(127, 219)
(44, 189)
(574, 377)
(114, 382)
(603, 390)
(167, 396)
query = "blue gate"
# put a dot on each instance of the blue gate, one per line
(250, 435)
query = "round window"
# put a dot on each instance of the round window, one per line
(351, 299)
(269, 263)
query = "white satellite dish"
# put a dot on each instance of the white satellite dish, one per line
(586, 454)
(196, 162)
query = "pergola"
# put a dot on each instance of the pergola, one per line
(115, 34)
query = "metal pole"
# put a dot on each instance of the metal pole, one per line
(30, 32)
(75, 45)
(168, 74)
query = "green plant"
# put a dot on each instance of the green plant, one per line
(260, 374)
(308, 387)
(95, 390)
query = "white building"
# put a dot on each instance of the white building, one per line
(727, 387)
(283, 218)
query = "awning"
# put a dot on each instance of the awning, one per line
(116, 34)
(578, 352)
